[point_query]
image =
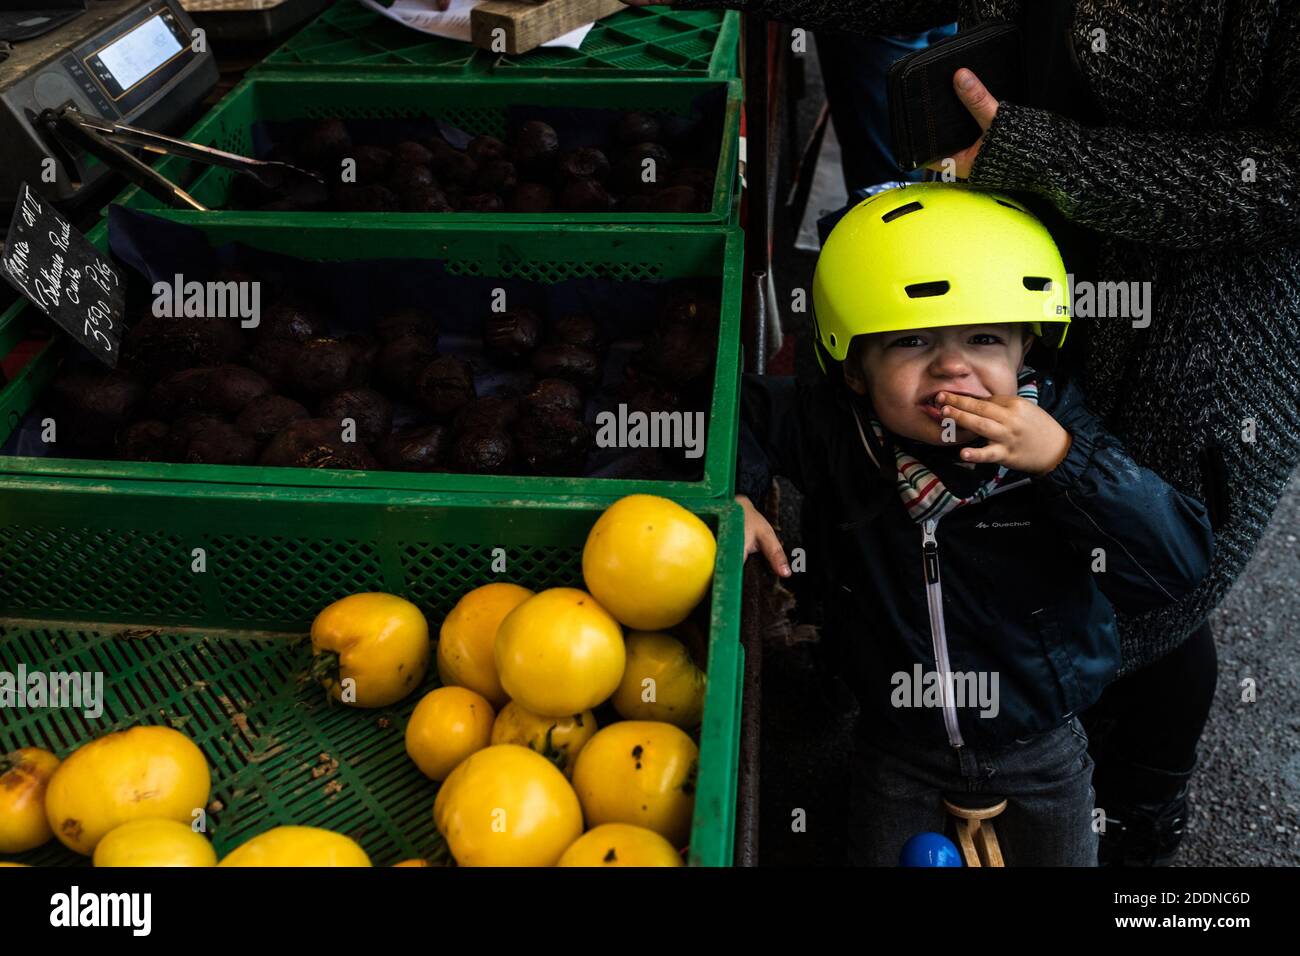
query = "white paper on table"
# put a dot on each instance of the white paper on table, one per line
(453, 23)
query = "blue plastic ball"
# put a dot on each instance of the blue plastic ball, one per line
(929, 849)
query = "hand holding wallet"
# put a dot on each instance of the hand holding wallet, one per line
(928, 120)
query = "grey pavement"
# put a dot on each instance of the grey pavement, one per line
(1246, 792)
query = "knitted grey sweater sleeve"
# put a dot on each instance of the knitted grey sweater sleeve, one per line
(1186, 190)
(1198, 189)
(851, 16)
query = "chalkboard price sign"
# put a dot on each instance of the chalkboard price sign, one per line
(64, 276)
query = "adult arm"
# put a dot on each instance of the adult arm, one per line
(1185, 189)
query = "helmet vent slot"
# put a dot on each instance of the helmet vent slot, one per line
(1003, 202)
(1037, 283)
(832, 340)
(923, 290)
(900, 211)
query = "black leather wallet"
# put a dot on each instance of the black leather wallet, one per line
(928, 121)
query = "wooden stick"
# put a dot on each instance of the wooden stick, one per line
(968, 850)
(986, 840)
(514, 26)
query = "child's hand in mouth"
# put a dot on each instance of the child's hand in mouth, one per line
(1020, 434)
(933, 407)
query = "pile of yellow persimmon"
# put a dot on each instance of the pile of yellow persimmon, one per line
(527, 778)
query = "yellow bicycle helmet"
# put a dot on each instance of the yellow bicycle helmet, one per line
(931, 255)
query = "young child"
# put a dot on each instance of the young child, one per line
(970, 526)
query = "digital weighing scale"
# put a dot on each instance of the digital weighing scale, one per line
(131, 61)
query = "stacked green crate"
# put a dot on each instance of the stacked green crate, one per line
(465, 103)
(543, 254)
(634, 43)
(98, 578)
(350, 36)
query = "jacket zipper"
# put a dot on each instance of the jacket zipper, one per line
(938, 636)
(938, 633)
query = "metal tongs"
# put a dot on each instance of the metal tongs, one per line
(105, 139)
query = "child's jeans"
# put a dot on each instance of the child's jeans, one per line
(1047, 780)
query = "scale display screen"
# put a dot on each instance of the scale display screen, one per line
(132, 57)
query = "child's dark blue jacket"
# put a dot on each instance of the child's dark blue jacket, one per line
(1008, 587)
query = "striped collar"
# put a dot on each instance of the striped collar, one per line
(923, 494)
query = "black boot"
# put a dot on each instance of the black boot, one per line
(1145, 813)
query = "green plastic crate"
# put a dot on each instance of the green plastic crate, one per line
(97, 578)
(541, 253)
(351, 37)
(469, 104)
(638, 42)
